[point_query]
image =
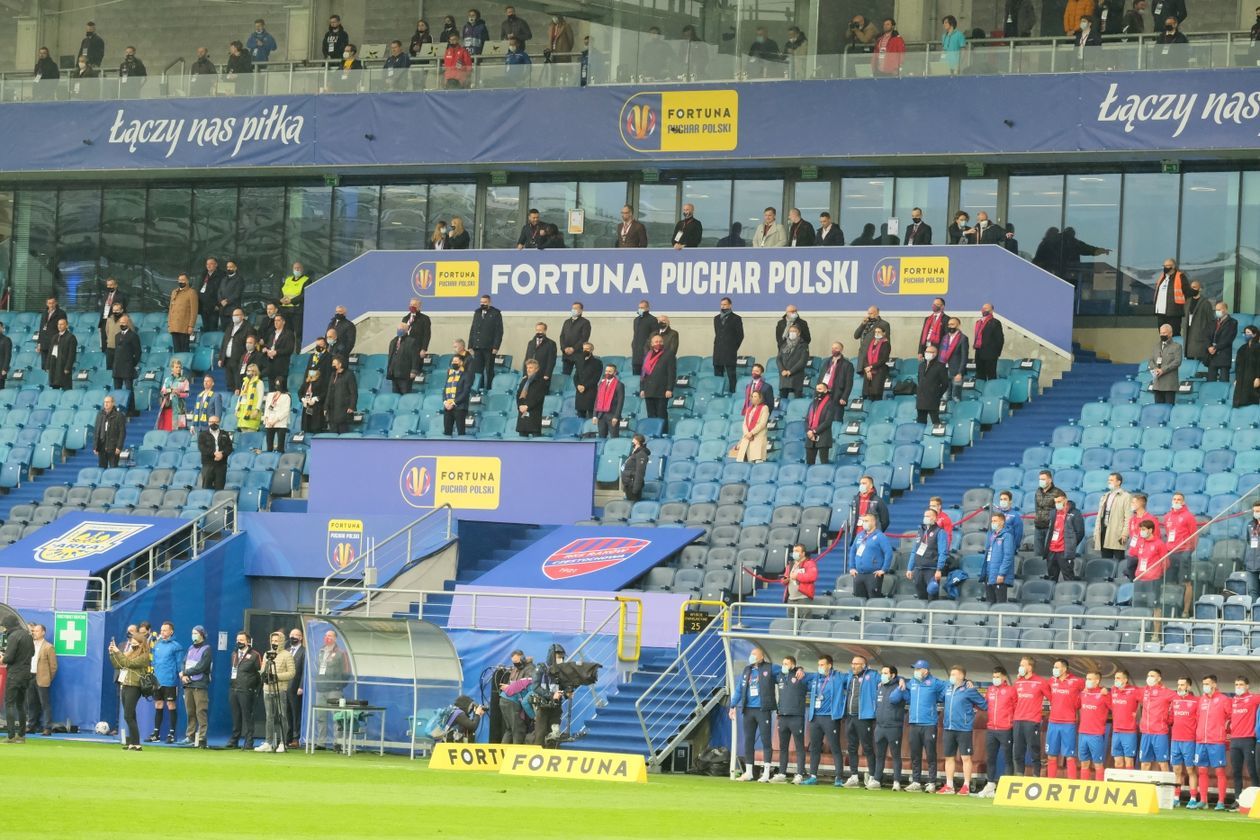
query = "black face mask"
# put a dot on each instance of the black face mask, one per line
(295, 642)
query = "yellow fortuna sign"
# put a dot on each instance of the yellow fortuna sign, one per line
(467, 757)
(1077, 795)
(574, 764)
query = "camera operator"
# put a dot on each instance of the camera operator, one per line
(861, 35)
(246, 678)
(548, 699)
(278, 670)
(19, 650)
(463, 726)
(512, 691)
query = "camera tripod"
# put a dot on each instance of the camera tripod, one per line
(276, 711)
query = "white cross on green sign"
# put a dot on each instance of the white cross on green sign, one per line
(70, 633)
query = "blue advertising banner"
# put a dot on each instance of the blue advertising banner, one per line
(316, 545)
(495, 481)
(729, 124)
(86, 542)
(903, 279)
(582, 557)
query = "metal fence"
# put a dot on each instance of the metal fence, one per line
(144, 567)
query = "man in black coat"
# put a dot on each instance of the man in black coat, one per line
(298, 651)
(587, 369)
(634, 470)
(688, 232)
(609, 398)
(791, 318)
(575, 332)
(644, 328)
(62, 352)
(485, 336)
(728, 335)
(1221, 344)
(6, 355)
(18, 653)
(215, 445)
(266, 324)
(529, 401)
(531, 231)
(657, 382)
(127, 353)
(542, 350)
(280, 350)
(343, 395)
(233, 347)
(231, 294)
(954, 350)
(48, 320)
(818, 420)
(208, 294)
(110, 298)
(866, 331)
(874, 362)
(932, 386)
(918, 232)
(92, 47)
(988, 343)
(456, 394)
(828, 233)
(403, 361)
(110, 434)
(348, 333)
(800, 233)
(837, 374)
(984, 232)
(418, 325)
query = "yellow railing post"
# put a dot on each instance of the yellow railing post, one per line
(623, 625)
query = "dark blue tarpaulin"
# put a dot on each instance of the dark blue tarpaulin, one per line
(86, 542)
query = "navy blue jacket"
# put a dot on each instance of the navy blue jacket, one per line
(890, 703)
(931, 550)
(758, 693)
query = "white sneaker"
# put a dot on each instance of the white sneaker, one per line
(264, 748)
(766, 777)
(852, 782)
(778, 779)
(897, 786)
(797, 779)
(747, 777)
(989, 791)
(929, 788)
(914, 787)
(280, 748)
(872, 783)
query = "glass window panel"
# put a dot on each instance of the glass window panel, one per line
(1249, 247)
(976, 194)
(1034, 204)
(78, 245)
(168, 222)
(812, 198)
(354, 222)
(601, 201)
(214, 224)
(552, 200)
(306, 228)
(503, 217)
(1092, 212)
(931, 195)
(34, 248)
(262, 229)
(122, 247)
(750, 200)
(1209, 229)
(712, 200)
(1148, 235)
(447, 200)
(865, 205)
(403, 217)
(657, 211)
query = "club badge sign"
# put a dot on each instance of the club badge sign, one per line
(345, 543)
(587, 556)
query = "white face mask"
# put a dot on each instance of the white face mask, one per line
(1004, 504)
(1023, 671)
(929, 356)
(575, 312)
(955, 680)
(1057, 671)
(884, 679)
(823, 669)
(1152, 682)
(1177, 505)
(1208, 689)
(1240, 692)
(1091, 683)
(997, 681)
(1042, 483)
(796, 555)
(752, 659)
(1119, 684)
(928, 521)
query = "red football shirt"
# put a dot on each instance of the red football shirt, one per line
(1095, 704)
(1124, 708)
(1030, 696)
(1185, 717)
(1155, 702)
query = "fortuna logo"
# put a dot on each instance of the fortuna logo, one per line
(419, 481)
(640, 121)
(590, 555)
(423, 278)
(886, 275)
(86, 540)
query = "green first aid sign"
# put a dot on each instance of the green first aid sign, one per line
(70, 630)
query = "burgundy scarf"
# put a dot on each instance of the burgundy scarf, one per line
(604, 395)
(649, 363)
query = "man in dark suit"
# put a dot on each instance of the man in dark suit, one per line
(347, 332)
(874, 363)
(586, 372)
(1221, 344)
(728, 335)
(918, 232)
(208, 294)
(954, 352)
(280, 349)
(542, 350)
(668, 334)
(983, 232)
(644, 327)
(266, 326)
(531, 231)
(456, 394)
(575, 332)
(688, 232)
(127, 353)
(298, 651)
(800, 233)
(932, 386)
(233, 347)
(837, 374)
(109, 435)
(110, 298)
(631, 233)
(529, 401)
(48, 320)
(791, 318)
(403, 361)
(231, 294)
(343, 396)
(215, 445)
(758, 385)
(659, 377)
(609, 397)
(6, 355)
(485, 336)
(988, 343)
(818, 420)
(63, 350)
(418, 325)
(18, 653)
(933, 325)
(828, 233)
(866, 331)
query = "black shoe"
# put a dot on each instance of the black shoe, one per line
(231, 745)
(170, 739)
(154, 738)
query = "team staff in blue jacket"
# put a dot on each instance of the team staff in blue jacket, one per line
(870, 558)
(930, 555)
(168, 656)
(754, 704)
(1014, 519)
(961, 701)
(825, 687)
(856, 705)
(793, 689)
(999, 559)
(926, 692)
(890, 717)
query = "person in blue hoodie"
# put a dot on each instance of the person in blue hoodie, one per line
(856, 705)
(870, 558)
(475, 33)
(929, 557)
(793, 687)
(890, 717)
(168, 655)
(754, 704)
(824, 687)
(926, 692)
(1014, 519)
(999, 560)
(961, 702)
(517, 66)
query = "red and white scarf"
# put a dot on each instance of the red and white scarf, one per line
(604, 394)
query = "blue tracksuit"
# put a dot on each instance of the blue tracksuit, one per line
(870, 552)
(1015, 523)
(999, 557)
(866, 684)
(759, 688)
(937, 551)
(924, 696)
(961, 703)
(168, 659)
(823, 691)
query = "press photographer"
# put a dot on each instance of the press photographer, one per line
(514, 685)
(278, 670)
(555, 683)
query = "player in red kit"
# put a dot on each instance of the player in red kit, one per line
(1212, 742)
(1065, 701)
(1242, 733)
(1091, 746)
(997, 740)
(1124, 708)
(1152, 561)
(1156, 699)
(1031, 693)
(1185, 721)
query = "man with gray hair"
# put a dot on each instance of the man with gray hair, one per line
(1164, 365)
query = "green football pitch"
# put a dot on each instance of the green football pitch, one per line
(65, 789)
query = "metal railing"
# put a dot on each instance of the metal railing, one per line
(186, 543)
(52, 592)
(380, 562)
(693, 684)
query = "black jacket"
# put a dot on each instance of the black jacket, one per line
(299, 668)
(1073, 531)
(923, 331)
(463, 388)
(574, 332)
(992, 340)
(544, 353)
(1093, 38)
(205, 444)
(343, 395)
(132, 68)
(486, 331)
(822, 428)
(1222, 338)
(47, 69)
(348, 333)
(664, 377)
(780, 330)
(18, 652)
(334, 43)
(957, 361)
(920, 234)
(61, 369)
(530, 394)
(874, 505)
(644, 327)
(231, 289)
(93, 46)
(688, 233)
(1161, 10)
(800, 234)
(284, 343)
(232, 360)
(841, 384)
(586, 372)
(832, 236)
(728, 335)
(240, 63)
(6, 355)
(634, 470)
(404, 357)
(458, 241)
(419, 326)
(111, 431)
(208, 301)
(618, 399)
(793, 359)
(530, 234)
(48, 327)
(932, 385)
(1043, 506)
(991, 235)
(865, 332)
(126, 354)
(248, 667)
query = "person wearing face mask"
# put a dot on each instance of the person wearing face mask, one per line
(984, 232)
(587, 370)
(276, 413)
(837, 374)
(870, 558)
(402, 361)
(235, 336)
(824, 687)
(929, 557)
(1170, 297)
(291, 299)
(132, 661)
(62, 354)
(791, 318)
(438, 240)
(1220, 347)
(1124, 706)
(1084, 36)
(793, 359)
(1247, 369)
(934, 326)
(1111, 527)
(875, 365)
(485, 337)
(1242, 734)
(953, 353)
(575, 332)
(866, 501)
(608, 397)
(891, 697)
(1171, 49)
(208, 403)
(280, 349)
(530, 395)
(1164, 366)
(818, 419)
(475, 33)
(516, 27)
(1005, 502)
(987, 343)
(1091, 744)
(559, 41)
(181, 314)
(456, 396)
(659, 378)
(1211, 743)
(418, 325)
(960, 704)
(763, 55)
(126, 361)
(512, 693)
(172, 412)
(1184, 711)
(113, 301)
(932, 386)
(855, 705)
(294, 695)
(82, 84)
(1061, 733)
(1200, 323)
(1031, 693)
(195, 678)
(92, 47)
(792, 685)
(346, 333)
(1151, 554)
(215, 445)
(1155, 722)
(752, 705)
(249, 403)
(937, 504)
(331, 676)
(1065, 532)
(246, 680)
(999, 560)
(958, 228)
(926, 693)
(1251, 537)
(688, 231)
(800, 576)
(998, 755)
(542, 350)
(752, 445)
(1043, 509)
(277, 675)
(634, 469)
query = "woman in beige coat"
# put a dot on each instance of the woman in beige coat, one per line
(752, 444)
